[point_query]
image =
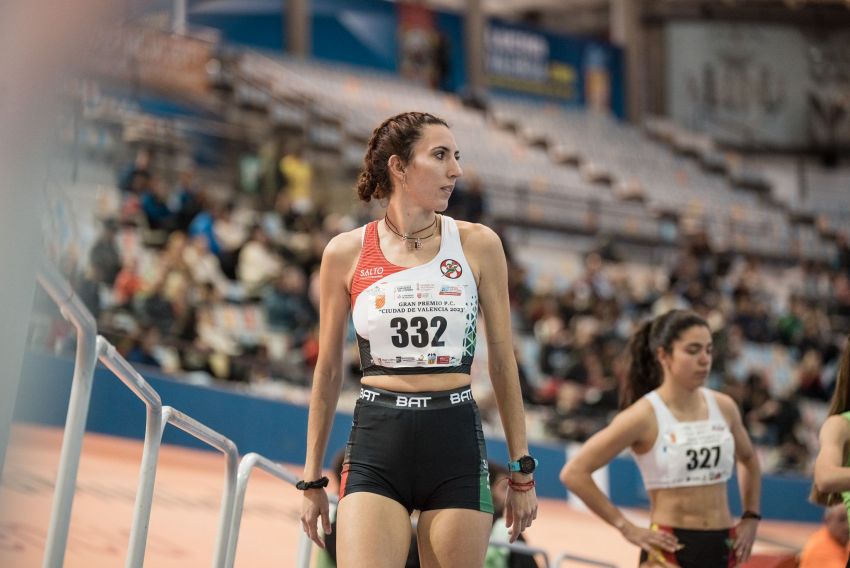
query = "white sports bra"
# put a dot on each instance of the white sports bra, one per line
(687, 453)
(418, 320)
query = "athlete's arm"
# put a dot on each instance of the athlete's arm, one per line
(830, 474)
(486, 252)
(334, 307)
(749, 476)
(628, 428)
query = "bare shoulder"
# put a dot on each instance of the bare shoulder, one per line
(479, 239)
(344, 246)
(836, 425)
(727, 405)
(638, 418)
(340, 256)
(639, 415)
(636, 425)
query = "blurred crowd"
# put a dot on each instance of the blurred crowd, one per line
(776, 332)
(222, 286)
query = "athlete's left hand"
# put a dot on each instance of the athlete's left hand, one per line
(745, 536)
(520, 511)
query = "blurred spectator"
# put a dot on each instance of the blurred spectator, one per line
(144, 349)
(104, 256)
(204, 266)
(770, 421)
(135, 177)
(790, 324)
(224, 235)
(842, 256)
(809, 377)
(203, 226)
(288, 307)
(185, 200)
(258, 264)
(751, 318)
(127, 284)
(827, 547)
(298, 179)
(669, 300)
(155, 207)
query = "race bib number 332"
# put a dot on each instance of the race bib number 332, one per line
(414, 324)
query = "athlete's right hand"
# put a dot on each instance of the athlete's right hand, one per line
(650, 540)
(313, 506)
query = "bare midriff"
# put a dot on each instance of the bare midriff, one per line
(702, 507)
(417, 383)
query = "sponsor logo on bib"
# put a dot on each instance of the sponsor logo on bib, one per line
(451, 291)
(451, 268)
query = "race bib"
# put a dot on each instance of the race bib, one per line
(703, 452)
(417, 324)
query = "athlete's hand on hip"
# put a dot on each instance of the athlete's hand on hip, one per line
(652, 541)
(520, 511)
(745, 536)
(313, 506)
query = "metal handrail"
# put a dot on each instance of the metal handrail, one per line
(116, 363)
(150, 452)
(246, 466)
(228, 448)
(73, 310)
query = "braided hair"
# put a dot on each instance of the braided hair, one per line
(395, 136)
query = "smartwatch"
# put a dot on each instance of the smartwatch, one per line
(525, 464)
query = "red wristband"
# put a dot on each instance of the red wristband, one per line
(522, 487)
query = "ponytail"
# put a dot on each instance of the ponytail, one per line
(644, 371)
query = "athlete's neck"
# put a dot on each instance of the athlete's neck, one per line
(411, 221)
(678, 397)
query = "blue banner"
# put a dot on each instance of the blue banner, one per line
(428, 47)
(560, 69)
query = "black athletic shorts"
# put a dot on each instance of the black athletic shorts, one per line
(700, 549)
(424, 450)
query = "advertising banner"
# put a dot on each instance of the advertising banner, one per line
(562, 69)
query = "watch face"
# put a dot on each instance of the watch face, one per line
(526, 464)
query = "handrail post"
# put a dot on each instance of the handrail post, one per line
(228, 448)
(75, 312)
(150, 453)
(246, 466)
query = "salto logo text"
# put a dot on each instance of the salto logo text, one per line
(372, 272)
(412, 401)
